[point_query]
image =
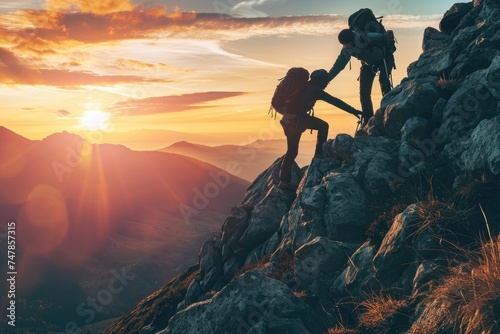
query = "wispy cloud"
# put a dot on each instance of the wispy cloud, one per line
(68, 43)
(13, 71)
(99, 7)
(253, 8)
(171, 103)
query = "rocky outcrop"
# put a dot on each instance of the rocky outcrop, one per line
(385, 213)
(245, 237)
(251, 303)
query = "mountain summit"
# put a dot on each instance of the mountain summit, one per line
(395, 230)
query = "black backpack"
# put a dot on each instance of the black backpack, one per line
(284, 100)
(363, 22)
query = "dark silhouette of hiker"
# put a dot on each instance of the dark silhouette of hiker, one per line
(375, 52)
(295, 124)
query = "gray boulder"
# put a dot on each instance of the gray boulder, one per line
(483, 151)
(252, 299)
(235, 225)
(317, 262)
(396, 252)
(417, 98)
(345, 218)
(358, 278)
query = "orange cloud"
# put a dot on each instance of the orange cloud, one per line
(12, 71)
(171, 103)
(89, 6)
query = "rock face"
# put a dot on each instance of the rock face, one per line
(251, 303)
(381, 213)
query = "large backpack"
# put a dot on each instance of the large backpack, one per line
(286, 94)
(363, 22)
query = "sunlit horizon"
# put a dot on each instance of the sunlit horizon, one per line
(145, 75)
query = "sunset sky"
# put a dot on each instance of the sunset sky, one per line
(148, 73)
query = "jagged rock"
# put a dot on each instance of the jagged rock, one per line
(483, 151)
(475, 100)
(475, 57)
(194, 291)
(343, 148)
(231, 267)
(415, 130)
(211, 277)
(359, 276)
(316, 261)
(345, 217)
(266, 217)
(234, 226)
(242, 304)
(210, 254)
(375, 160)
(452, 17)
(395, 252)
(437, 111)
(375, 126)
(226, 251)
(265, 181)
(435, 59)
(426, 272)
(434, 40)
(417, 98)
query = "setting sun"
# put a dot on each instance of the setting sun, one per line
(94, 120)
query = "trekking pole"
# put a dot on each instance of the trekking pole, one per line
(359, 123)
(387, 73)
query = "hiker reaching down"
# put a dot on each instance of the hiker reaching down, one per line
(367, 40)
(371, 50)
(295, 124)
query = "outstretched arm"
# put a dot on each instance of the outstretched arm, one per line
(339, 103)
(340, 63)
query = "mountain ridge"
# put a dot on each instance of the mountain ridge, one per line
(84, 210)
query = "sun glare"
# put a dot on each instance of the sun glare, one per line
(94, 120)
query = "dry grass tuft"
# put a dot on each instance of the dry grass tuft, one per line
(342, 330)
(470, 297)
(383, 312)
(440, 216)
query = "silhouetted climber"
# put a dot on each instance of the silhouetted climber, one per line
(295, 124)
(367, 40)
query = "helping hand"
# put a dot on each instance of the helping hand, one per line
(357, 113)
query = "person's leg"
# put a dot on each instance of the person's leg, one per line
(293, 135)
(314, 123)
(385, 73)
(366, 77)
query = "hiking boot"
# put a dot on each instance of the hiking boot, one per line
(285, 185)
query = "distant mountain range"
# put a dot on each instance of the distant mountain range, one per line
(246, 161)
(85, 212)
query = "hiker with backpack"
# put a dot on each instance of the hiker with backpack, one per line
(295, 98)
(367, 40)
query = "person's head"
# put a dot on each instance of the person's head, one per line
(346, 36)
(320, 78)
